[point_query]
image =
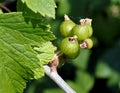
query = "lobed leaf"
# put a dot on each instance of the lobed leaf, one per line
(19, 61)
(44, 7)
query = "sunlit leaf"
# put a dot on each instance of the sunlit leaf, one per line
(19, 61)
(44, 7)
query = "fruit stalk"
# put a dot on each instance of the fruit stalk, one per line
(58, 80)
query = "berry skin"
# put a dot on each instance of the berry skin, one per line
(87, 43)
(88, 24)
(70, 47)
(90, 30)
(81, 31)
(66, 27)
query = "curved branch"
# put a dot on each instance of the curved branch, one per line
(4, 7)
(58, 80)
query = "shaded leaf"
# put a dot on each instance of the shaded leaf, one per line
(109, 63)
(44, 7)
(53, 91)
(102, 70)
(84, 80)
(63, 7)
(114, 79)
(76, 87)
(82, 60)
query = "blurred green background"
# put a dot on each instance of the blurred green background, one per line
(93, 71)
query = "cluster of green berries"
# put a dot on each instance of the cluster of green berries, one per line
(76, 36)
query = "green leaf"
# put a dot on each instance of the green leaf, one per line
(22, 7)
(36, 28)
(108, 63)
(82, 60)
(53, 91)
(44, 7)
(44, 52)
(76, 87)
(64, 7)
(1, 12)
(19, 60)
(114, 79)
(108, 67)
(102, 70)
(115, 1)
(84, 80)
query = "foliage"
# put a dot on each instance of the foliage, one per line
(24, 48)
(44, 7)
(25, 45)
(102, 62)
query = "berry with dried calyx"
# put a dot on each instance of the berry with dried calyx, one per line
(66, 26)
(81, 31)
(88, 24)
(87, 43)
(70, 47)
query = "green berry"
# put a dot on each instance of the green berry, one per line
(81, 31)
(66, 27)
(90, 30)
(70, 47)
(87, 43)
(88, 24)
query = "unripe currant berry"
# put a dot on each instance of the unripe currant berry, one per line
(81, 31)
(88, 24)
(87, 43)
(66, 26)
(70, 47)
